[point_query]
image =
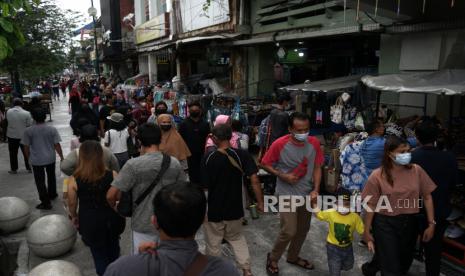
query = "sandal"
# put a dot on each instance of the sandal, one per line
(303, 264)
(270, 268)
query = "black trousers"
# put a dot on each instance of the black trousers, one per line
(395, 239)
(433, 249)
(104, 255)
(49, 191)
(13, 146)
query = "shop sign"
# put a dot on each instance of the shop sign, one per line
(196, 14)
(155, 28)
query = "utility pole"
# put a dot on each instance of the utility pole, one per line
(93, 12)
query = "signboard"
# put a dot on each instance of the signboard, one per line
(195, 17)
(155, 28)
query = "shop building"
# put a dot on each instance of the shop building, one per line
(117, 39)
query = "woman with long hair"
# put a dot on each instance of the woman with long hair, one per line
(394, 193)
(99, 225)
(116, 139)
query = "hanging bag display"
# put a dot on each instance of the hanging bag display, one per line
(336, 111)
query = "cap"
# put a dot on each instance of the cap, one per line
(344, 193)
(116, 117)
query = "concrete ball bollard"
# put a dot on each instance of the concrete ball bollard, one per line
(14, 214)
(56, 267)
(51, 236)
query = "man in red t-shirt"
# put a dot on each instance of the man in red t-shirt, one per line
(296, 161)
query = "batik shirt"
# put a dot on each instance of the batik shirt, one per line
(354, 173)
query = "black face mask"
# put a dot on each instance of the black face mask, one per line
(165, 127)
(160, 111)
(195, 114)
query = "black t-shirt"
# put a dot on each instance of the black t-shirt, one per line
(441, 167)
(103, 114)
(225, 183)
(195, 135)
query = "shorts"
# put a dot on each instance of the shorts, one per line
(339, 258)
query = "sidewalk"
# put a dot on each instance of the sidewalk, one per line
(260, 233)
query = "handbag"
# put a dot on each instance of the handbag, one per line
(125, 205)
(336, 111)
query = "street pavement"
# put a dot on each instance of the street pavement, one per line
(260, 233)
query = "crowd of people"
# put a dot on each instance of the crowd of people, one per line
(129, 158)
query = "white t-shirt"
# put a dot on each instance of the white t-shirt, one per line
(117, 141)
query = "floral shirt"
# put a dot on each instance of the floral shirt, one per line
(354, 174)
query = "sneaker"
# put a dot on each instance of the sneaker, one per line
(362, 243)
(43, 206)
(12, 172)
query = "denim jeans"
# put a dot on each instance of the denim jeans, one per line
(339, 258)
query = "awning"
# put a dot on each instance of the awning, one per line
(283, 36)
(447, 82)
(325, 85)
(201, 38)
(84, 28)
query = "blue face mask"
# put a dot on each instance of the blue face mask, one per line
(403, 158)
(301, 137)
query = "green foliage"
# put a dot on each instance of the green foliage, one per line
(44, 35)
(10, 36)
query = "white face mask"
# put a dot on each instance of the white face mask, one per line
(301, 137)
(343, 210)
(403, 158)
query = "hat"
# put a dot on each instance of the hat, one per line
(344, 193)
(116, 117)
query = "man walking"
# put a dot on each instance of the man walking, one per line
(18, 120)
(223, 174)
(40, 143)
(137, 175)
(194, 131)
(296, 161)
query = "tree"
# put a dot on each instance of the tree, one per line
(47, 36)
(10, 33)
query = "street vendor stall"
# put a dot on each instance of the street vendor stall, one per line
(445, 82)
(318, 98)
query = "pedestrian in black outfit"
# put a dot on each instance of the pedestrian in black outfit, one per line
(441, 166)
(99, 225)
(194, 130)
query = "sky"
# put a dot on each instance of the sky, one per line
(80, 6)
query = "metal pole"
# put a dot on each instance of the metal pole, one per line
(97, 65)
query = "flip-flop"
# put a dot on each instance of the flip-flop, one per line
(271, 270)
(306, 264)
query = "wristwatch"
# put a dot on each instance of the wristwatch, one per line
(433, 222)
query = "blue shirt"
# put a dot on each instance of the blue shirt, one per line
(371, 152)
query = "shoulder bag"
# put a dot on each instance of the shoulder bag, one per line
(125, 205)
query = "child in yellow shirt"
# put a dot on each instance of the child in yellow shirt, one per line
(342, 224)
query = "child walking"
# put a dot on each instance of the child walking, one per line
(342, 224)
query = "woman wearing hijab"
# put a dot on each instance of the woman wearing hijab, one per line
(171, 141)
